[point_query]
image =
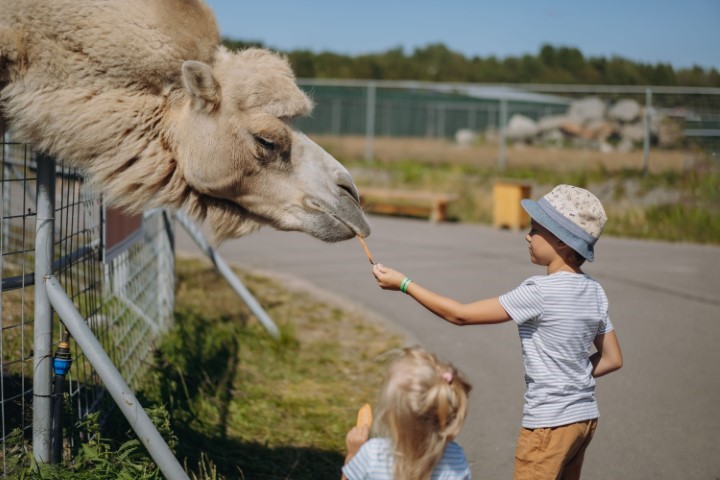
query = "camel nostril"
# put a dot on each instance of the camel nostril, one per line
(350, 191)
(346, 184)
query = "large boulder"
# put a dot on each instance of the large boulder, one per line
(587, 109)
(521, 128)
(634, 132)
(465, 137)
(625, 110)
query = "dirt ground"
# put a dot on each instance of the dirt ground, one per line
(390, 149)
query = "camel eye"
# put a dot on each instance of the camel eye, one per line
(264, 142)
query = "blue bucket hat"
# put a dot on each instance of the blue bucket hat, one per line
(573, 215)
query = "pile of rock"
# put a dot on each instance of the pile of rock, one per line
(592, 123)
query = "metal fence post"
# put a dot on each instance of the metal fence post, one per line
(42, 342)
(336, 117)
(502, 120)
(6, 187)
(646, 137)
(370, 121)
(441, 120)
(166, 262)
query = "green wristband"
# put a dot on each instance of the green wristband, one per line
(404, 284)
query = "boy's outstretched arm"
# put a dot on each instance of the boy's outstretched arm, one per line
(481, 312)
(608, 357)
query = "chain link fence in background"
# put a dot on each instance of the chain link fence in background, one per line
(125, 293)
(608, 118)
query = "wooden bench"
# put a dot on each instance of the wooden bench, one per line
(432, 206)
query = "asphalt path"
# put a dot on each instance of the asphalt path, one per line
(659, 415)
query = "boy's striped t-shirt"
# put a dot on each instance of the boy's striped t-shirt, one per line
(374, 462)
(558, 318)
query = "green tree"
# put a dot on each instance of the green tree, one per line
(548, 57)
(436, 62)
(241, 44)
(303, 63)
(395, 65)
(570, 60)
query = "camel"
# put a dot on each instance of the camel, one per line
(141, 96)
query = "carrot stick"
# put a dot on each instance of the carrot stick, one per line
(364, 416)
(367, 251)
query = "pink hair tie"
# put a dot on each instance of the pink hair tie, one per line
(448, 377)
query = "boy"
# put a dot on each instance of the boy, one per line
(559, 315)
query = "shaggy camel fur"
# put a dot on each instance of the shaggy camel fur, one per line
(141, 95)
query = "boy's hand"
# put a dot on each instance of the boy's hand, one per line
(355, 439)
(387, 278)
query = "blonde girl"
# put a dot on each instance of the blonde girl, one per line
(421, 409)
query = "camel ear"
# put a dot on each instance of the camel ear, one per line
(199, 81)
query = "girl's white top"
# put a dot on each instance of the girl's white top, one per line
(374, 462)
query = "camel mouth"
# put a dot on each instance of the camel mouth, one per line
(330, 227)
(353, 218)
(362, 230)
(335, 223)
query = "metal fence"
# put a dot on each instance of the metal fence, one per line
(126, 298)
(441, 110)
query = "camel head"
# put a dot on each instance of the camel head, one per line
(245, 163)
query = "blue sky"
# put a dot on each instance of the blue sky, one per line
(681, 33)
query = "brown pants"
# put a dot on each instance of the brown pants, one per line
(553, 453)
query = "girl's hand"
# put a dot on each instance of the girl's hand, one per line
(387, 278)
(355, 439)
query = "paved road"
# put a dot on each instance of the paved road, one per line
(660, 414)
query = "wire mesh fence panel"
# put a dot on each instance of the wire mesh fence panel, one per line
(16, 333)
(127, 299)
(138, 297)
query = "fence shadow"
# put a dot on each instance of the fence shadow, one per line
(252, 461)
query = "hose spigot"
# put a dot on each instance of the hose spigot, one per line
(62, 359)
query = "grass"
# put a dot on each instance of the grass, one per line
(258, 408)
(678, 199)
(96, 457)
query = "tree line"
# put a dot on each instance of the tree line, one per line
(437, 63)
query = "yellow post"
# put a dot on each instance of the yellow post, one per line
(507, 212)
